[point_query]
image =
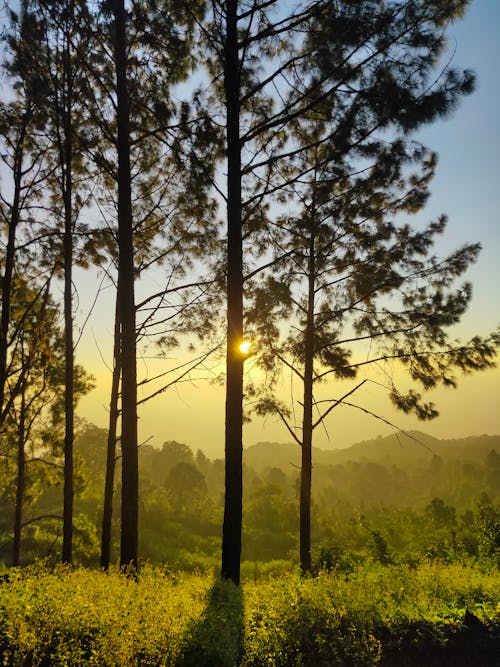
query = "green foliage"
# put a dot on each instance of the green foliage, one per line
(270, 523)
(379, 547)
(187, 486)
(298, 622)
(331, 558)
(79, 617)
(488, 526)
(378, 501)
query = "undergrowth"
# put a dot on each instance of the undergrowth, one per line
(76, 617)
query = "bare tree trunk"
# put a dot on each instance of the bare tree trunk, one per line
(107, 513)
(126, 304)
(231, 532)
(307, 423)
(20, 482)
(67, 189)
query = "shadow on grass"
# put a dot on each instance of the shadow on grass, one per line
(216, 639)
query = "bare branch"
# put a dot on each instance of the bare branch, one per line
(335, 403)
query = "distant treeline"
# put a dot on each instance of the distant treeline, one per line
(402, 498)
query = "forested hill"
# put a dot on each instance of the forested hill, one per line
(400, 449)
(389, 498)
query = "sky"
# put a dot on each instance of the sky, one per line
(467, 189)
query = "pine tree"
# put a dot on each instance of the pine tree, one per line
(274, 69)
(168, 195)
(23, 156)
(358, 272)
(126, 299)
(61, 65)
(251, 55)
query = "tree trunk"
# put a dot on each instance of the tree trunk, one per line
(107, 513)
(231, 531)
(9, 270)
(67, 189)
(126, 304)
(307, 426)
(20, 482)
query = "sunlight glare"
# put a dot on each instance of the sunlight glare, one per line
(245, 347)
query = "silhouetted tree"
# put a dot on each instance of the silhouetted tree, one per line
(253, 50)
(61, 64)
(38, 403)
(23, 156)
(168, 211)
(126, 299)
(356, 273)
(278, 70)
(111, 453)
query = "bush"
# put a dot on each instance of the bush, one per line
(331, 558)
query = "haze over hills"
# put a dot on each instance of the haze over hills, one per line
(400, 449)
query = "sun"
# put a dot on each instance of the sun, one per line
(244, 347)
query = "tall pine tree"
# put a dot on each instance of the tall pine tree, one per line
(358, 272)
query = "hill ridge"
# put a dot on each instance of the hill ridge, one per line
(393, 449)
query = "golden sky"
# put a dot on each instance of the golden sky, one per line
(467, 188)
(193, 412)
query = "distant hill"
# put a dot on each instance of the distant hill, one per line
(398, 449)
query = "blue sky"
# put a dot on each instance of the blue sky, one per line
(467, 184)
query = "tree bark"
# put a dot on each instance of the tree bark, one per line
(107, 513)
(126, 304)
(231, 531)
(20, 482)
(307, 419)
(67, 188)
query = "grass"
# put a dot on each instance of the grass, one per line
(77, 617)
